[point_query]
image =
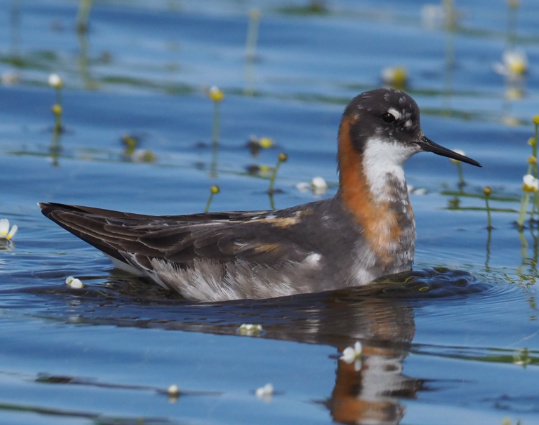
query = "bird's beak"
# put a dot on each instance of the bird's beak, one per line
(429, 146)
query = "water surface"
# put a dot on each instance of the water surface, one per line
(457, 343)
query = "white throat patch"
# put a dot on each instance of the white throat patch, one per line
(383, 159)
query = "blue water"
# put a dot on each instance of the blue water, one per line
(459, 343)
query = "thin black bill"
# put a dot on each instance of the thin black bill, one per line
(429, 146)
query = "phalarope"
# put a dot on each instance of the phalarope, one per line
(365, 231)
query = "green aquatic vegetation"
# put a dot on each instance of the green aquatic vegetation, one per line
(56, 82)
(252, 34)
(487, 191)
(83, 14)
(214, 190)
(462, 182)
(282, 157)
(217, 96)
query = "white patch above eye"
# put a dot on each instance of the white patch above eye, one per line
(394, 112)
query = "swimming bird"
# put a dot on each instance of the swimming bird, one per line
(365, 231)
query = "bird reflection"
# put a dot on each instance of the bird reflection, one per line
(380, 315)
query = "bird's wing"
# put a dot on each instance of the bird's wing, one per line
(257, 237)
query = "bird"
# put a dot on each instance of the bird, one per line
(365, 231)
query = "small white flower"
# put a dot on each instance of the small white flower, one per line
(55, 81)
(515, 64)
(173, 391)
(530, 183)
(216, 94)
(395, 76)
(353, 355)
(250, 329)
(319, 185)
(5, 231)
(74, 283)
(420, 191)
(265, 392)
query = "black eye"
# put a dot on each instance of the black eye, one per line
(387, 117)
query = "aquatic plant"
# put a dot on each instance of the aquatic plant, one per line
(173, 393)
(514, 64)
(250, 329)
(395, 76)
(214, 190)
(74, 283)
(318, 186)
(5, 231)
(462, 182)
(252, 34)
(487, 191)
(282, 157)
(83, 14)
(265, 392)
(353, 355)
(255, 144)
(217, 96)
(530, 182)
(56, 82)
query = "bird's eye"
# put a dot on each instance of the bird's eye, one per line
(387, 117)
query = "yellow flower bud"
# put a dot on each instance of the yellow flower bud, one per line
(56, 109)
(487, 190)
(532, 141)
(535, 119)
(265, 142)
(532, 160)
(216, 94)
(283, 157)
(214, 189)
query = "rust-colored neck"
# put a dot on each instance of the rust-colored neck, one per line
(376, 218)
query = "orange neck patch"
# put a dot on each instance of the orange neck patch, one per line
(377, 219)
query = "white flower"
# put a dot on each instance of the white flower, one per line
(249, 329)
(265, 392)
(318, 185)
(395, 76)
(74, 283)
(515, 64)
(353, 355)
(5, 231)
(530, 183)
(55, 81)
(173, 391)
(216, 94)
